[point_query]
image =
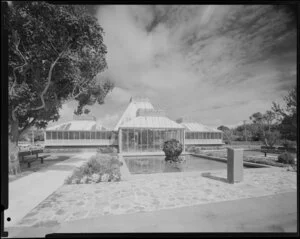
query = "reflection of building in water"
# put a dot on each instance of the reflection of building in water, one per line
(141, 128)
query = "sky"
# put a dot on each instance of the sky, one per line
(216, 64)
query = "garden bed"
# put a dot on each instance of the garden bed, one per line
(100, 168)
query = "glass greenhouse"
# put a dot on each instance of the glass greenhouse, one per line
(140, 129)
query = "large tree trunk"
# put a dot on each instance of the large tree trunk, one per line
(13, 152)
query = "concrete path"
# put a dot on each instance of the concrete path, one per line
(152, 192)
(275, 213)
(27, 192)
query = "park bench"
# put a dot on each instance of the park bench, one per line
(31, 155)
(278, 150)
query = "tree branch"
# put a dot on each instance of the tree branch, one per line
(28, 125)
(48, 82)
(13, 115)
(17, 43)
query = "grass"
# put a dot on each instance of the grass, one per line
(255, 157)
(37, 165)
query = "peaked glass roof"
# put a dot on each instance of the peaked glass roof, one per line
(151, 122)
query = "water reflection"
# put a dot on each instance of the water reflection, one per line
(157, 164)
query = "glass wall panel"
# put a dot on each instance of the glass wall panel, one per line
(98, 135)
(65, 135)
(59, 135)
(54, 135)
(130, 140)
(179, 135)
(88, 135)
(102, 135)
(150, 140)
(144, 139)
(71, 135)
(139, 140)
(125, 140)
(93, 135)
(108, 135)
(158, 140)
(76, 135)
(82, 135)
(48, 135)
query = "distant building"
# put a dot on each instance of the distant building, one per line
(141, 128)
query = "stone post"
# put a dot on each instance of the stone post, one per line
(234, 165)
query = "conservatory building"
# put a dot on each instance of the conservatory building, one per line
(141, 128)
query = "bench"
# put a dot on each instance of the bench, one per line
(28, 156)
(278, 150)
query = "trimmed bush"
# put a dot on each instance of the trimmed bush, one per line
(172, 148)
(107, 150)
(286, 158)
(100, 168)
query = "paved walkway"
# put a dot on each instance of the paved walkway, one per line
(152, 192)
(275, 213)
(27, 192)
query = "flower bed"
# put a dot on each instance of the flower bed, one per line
(100, 168)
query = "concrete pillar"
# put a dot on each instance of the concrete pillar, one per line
(234, 165)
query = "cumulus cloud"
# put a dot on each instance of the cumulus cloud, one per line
(217, 64)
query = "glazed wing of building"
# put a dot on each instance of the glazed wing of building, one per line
(81, 138)
(199, 134)
(81, 131)
(203, 138)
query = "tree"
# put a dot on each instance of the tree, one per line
(264, 123)
(228, 133)
(287, 116)
(56, 53)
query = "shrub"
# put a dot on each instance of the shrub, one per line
(198, 150)
(172, 148)
(289, 144)
(95, 169)
(286, 158)
(107, 150)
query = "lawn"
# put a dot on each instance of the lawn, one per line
(255, 157)
(36, 165)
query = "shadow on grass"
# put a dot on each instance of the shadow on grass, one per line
(49, 164)
(208, 175)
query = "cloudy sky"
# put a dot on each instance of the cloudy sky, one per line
(216, 64)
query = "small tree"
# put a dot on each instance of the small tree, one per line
(287, 115)
(227, 133)
(264, 123)
(271, 138)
